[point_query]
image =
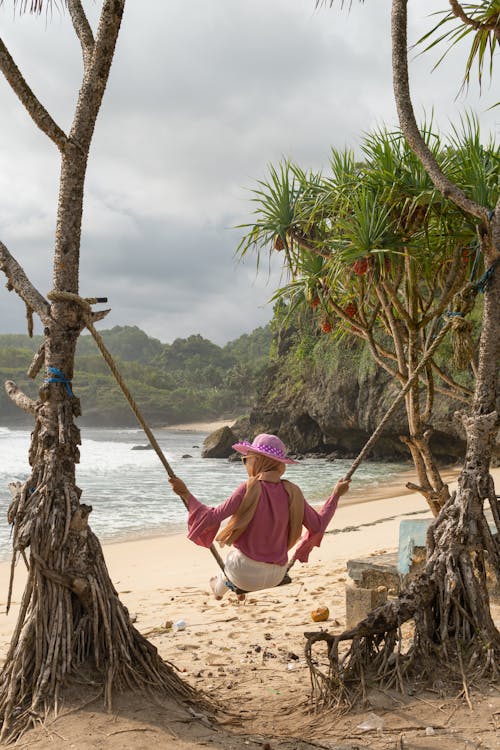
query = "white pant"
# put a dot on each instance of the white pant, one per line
(247, 574)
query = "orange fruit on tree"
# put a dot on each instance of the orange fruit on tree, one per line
(360, 267)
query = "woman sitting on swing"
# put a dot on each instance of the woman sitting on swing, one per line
(266, 515)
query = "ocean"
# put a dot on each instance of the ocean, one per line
(129, 491)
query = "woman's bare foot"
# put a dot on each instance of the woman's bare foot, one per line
(241, 597)
(212, 586)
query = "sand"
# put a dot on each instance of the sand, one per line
(249, 657)
(206, 427)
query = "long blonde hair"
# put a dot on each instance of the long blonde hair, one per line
(268, 469)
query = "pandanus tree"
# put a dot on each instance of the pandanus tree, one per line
(375, 253)
(454, 635)
(70, 617)
(381, 253)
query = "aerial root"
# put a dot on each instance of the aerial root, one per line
(453, 638)
(60, 632)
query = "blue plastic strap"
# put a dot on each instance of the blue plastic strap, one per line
(59, 377)
(483, 282)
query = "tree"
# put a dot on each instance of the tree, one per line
(375, 253)
(70, 614)
(454, 632)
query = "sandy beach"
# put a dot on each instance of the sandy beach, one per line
(201, 426)
(249, 657)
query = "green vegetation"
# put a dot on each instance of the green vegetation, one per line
(190, 379)
(374, 253)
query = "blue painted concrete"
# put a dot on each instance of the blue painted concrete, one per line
(412, 533)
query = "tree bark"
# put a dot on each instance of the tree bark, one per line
(18, 281)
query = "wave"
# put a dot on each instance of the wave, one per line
(129, 491)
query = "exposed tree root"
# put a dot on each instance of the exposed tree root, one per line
(454, 638)
(70, 616)
(70, 619)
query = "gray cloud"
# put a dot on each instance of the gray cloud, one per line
(201, 98)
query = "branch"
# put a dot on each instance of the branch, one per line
(97, 73)
(374, 315)
(394, 331)
(453, 396)
(82, 30)
(454, 280)
(35, 109)
(343, 315)
(378, 352)
(378, 359)
(390, 292)
(460, 13)
(37, 362)
(458, 387)
(407, 117)
(100, 315)
(19, 282)
(304, 244)
(20, 399)
(430, 390)
(426, 301)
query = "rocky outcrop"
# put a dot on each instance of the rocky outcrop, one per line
(219, 443)
(332, 406)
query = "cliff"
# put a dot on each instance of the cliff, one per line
(329, 398)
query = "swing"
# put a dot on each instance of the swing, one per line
(465, 303)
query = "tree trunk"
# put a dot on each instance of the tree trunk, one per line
(70, 617)
(454, 636)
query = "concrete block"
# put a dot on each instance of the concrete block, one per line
(359, 602)
(375, 570)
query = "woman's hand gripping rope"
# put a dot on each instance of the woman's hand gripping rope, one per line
(179, 487)
(341, 487)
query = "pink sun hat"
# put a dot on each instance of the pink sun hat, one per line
(266, 445)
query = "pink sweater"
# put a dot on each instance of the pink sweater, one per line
(266, 537)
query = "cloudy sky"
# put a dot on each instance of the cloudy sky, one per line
(203, 95)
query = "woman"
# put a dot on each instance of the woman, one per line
(266, 515)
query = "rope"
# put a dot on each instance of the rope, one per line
(85, 305)
(483, 282)
(87, 317)
(59, 377)
(464, 299)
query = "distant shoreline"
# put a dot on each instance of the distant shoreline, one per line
(181, 427)
(199, 426)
